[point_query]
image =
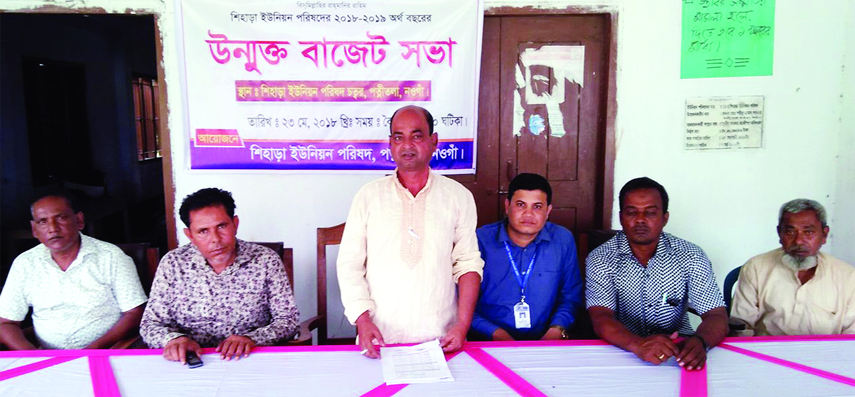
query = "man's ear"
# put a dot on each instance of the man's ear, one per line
(666, 219)
(188, 234)
(80, 221)
(236, 220)
(548, 210)
(507, 207)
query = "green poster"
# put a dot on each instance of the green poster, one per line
(727, 38)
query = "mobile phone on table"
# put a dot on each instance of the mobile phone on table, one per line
(193, 360)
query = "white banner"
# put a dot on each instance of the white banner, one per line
(293, 85)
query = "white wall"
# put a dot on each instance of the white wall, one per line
(725, 201)
(844, 205)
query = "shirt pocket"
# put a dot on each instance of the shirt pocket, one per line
(89, 292)
(823, 315)
(670, 306)
(249, 304)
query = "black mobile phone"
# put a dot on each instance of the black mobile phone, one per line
(193, 360)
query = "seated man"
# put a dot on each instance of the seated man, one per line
(85, 293)
(641, 283)
(795, 289)
(217, 290)
(532, 286)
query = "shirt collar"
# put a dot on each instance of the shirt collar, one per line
(241, 258)
(543, 235)
(403, 189)
(86, 248)
(663, 247)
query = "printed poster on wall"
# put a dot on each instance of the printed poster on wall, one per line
(312, 85)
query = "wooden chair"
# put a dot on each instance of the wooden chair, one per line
(327, 236)
(586, 242)
(304, 335)
(145, 258)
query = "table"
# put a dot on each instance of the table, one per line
(759, 366)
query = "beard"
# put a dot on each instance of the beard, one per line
(797, 263)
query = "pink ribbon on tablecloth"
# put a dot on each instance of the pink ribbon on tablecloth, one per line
(693, 383)
(504, 373)
(790, 364)
(103, 380)
(25, 369)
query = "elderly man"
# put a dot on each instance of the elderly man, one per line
(641, 283)
(85, 293)
(532, 287)
(217, 290)
(409, 238)
(795, 289)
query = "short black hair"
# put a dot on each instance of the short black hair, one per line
(527, 181)
(428, 117)
(69, 196)
(204, 198)
(643, 183)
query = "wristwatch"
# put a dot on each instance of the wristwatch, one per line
(564, 334)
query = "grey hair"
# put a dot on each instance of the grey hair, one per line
(799, 205)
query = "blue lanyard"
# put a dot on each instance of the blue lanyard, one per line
(521, 281)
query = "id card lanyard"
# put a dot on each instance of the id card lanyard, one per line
(522, 312)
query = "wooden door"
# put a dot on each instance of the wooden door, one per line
(572, 160)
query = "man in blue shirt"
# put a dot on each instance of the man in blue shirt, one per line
(532, 287)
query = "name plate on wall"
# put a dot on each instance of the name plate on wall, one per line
(724, 123)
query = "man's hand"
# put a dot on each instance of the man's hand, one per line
(453, 339)
(502, 335)
(656, 349)
(554, 333)
(368, 332)
(235, 346)
(177, 348)
(692, 353)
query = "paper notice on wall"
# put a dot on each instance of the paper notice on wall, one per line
(547, 68)
(519, 114)
(727, 38)
(724, 122)
(556, 119)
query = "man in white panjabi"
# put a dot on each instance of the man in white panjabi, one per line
(409, 238)
(796, 289)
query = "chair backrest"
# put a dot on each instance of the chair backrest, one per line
(729, 281)
(326, 236)
(287, 255)
(145, 258)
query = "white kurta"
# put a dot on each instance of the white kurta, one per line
(772, 300)
(401, 256)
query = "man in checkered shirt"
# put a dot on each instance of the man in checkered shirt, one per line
(641, 283)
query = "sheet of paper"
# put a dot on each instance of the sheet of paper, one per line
(519, 114)
(556, 119)
(424, 363)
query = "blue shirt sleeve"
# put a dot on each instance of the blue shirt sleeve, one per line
(570, 297)
(479, 323)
